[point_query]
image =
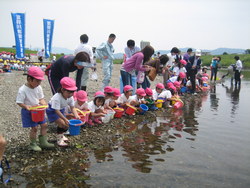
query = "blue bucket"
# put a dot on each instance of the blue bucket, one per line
(183, 89)
(74, 126)
(144, 108)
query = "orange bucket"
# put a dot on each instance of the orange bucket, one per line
(38, 114)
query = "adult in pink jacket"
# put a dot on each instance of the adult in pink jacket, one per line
(136, 63)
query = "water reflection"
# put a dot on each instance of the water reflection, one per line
(233, 93)
(213, 99)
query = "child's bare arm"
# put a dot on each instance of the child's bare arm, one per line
(24, 106)
(42, 102)
(73, 110)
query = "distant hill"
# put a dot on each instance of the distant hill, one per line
(218, 51)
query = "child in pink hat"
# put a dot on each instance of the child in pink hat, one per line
(57, 105)
(138, 98)
(31, 94)
(79, 103)
(157, 91)
(96, 108)
(113, 100)
(149, 99)
(108, 91)
(180, 68)
(124, 99)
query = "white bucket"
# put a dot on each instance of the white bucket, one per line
(106, 118)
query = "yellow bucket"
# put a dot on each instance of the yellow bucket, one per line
(160, 104)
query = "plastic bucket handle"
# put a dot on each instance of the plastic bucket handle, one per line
(37, 107)
(80, 111)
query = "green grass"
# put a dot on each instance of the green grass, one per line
(227, 60)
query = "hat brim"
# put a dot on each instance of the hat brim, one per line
(129, 90)
(71, 88)
(100, 96)
(85, 64)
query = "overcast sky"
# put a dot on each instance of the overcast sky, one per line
(201, 24)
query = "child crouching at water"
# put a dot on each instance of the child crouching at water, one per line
(113, 100)
(31, 94)
(138, 99)
(96, 108)
(124, 99)
(57, 105)
(79, 103)
(149, 99)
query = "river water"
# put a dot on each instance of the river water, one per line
(205, 144)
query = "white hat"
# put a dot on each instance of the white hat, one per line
(198, 52)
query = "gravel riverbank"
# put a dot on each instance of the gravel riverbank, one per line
(17, 151)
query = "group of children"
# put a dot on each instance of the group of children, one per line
(62, 106)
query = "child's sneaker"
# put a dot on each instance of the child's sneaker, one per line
(96, 120)
(90, 122)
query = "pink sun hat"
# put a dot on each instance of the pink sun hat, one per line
(160, 86)
(141, 91)
(182, 75)
(36, 72)
(117, 92)
(173, 87)
(183, 62)
(177, 84)
(149, 91)
(128, 88)
(99, 94)
(68, 83)
(108, 89)
(169, 84)
(81, 96)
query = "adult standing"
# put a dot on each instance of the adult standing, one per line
(105, 52)
(131, 49)
(40, 55)
(192, 68)
(215, 64)
(186, 55)
(136, 63)
(169, 64)
(83, 47)
(63, 66)
(238, 68)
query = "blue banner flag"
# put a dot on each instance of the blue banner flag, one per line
(18, 20)
(48, 26)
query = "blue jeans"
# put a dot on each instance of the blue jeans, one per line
(126, 78)
(214, 73)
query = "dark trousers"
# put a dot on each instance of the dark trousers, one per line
(192, 74)
(40, 59)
